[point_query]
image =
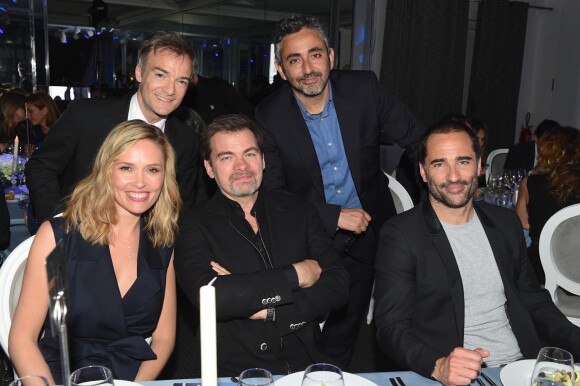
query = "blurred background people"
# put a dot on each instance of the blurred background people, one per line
(118, 231)
(12, 106)
(213, 97)
(525, 155)
(553, 185)
(24, 81)
(481, 131)
(42, 113)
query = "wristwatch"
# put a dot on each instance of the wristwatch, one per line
(270, 314)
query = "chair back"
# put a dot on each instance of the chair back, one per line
(495, 161)
(11, 275)
(559, 246)
(401, 197)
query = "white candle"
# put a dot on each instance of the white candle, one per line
(207, 325)
(15, 161)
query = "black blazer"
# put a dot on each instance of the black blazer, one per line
(368, 116)
(419, 307)
(521, 156)
(66, 155)
(291, 232)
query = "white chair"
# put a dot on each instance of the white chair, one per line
(11, 275)
(401, 197)
(403, 202)
(495, 161)
(559, 246)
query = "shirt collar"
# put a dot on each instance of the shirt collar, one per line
(236, 207)
(136, 113)
(325, 111)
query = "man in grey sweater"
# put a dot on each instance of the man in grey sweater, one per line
(455, 290)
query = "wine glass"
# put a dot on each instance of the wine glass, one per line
(322, 374)
(255, 377)
(92, 376)
(30, 380)
(554, 367)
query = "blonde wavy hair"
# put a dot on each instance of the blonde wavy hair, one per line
(559, 159)
(91, 208)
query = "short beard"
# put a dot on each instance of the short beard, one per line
(295, 85)
(437, 195)
(245, 189)
(239, 192)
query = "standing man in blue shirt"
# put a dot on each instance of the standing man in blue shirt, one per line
(323, 132)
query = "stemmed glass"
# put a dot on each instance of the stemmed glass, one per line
(322, 374)
(554, 367)
(255, 377)
(91, 376)
(30, 380)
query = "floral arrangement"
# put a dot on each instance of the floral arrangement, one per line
(8, 178)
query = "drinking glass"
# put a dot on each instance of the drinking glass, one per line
(91, 376)
(554, 367)
(30, 380)
(322, 374)
(255, 377)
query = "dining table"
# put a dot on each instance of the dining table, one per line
(409, 378)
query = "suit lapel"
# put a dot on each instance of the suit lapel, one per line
(147, 283)
(99, 271)
(300, 137)
(447, 256)
(499, 247)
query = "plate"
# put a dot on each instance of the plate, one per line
(517, 373)
(295, 379)
(120, 382)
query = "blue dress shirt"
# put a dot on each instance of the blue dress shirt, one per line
(325, 132)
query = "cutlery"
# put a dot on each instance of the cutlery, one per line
(393, 382)
(235, 380)
(488, 379)
(400, 381)
(479, 382)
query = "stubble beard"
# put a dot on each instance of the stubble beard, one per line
(243, 189)
(437, 193)
(309, 91)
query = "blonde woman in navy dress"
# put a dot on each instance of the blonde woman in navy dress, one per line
(118, 231)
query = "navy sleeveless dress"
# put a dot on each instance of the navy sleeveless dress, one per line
(103, 327)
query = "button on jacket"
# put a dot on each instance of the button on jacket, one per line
(291, 231)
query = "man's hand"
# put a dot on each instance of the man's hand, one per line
(219, 269)
(460, 367)
(260, 315)
(308, 272)
(354, 219)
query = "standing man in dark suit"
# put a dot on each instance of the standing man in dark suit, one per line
(277, 273)
(455, 289)
(213, 97)
(164, 70)
(323, 135)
